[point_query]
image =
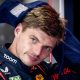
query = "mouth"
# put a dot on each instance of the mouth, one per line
(32, 58)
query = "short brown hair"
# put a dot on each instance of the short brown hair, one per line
(45, 18)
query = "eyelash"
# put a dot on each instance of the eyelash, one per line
(48, 49)
(34, 40)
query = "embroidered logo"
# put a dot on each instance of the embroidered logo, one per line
(39, 77)
(5, 70)
(15, 78)
(10, 58)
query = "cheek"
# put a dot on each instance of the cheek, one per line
(23, 45)
(44, 55)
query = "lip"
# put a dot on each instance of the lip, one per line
(32, 58)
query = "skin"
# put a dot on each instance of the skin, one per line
(31, 46)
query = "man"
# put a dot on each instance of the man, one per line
(38, 29)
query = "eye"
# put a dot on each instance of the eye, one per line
(48, 49)
(34, 40)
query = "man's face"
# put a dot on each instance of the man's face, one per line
(33, 45)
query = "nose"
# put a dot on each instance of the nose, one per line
(38, 50)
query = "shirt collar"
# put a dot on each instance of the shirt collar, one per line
(10, 58)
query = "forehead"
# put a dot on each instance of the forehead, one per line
(41, 35)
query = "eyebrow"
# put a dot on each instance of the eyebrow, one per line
(35, 37)
(49, 47)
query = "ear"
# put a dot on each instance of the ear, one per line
(18, 29)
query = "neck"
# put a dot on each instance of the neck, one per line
(12, 48)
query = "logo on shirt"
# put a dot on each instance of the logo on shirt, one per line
(39, 77)
(15, 78)
(5, 70)
(10, 58)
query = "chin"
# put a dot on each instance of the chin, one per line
(32, 64)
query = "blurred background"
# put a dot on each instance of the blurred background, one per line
(66, 8)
